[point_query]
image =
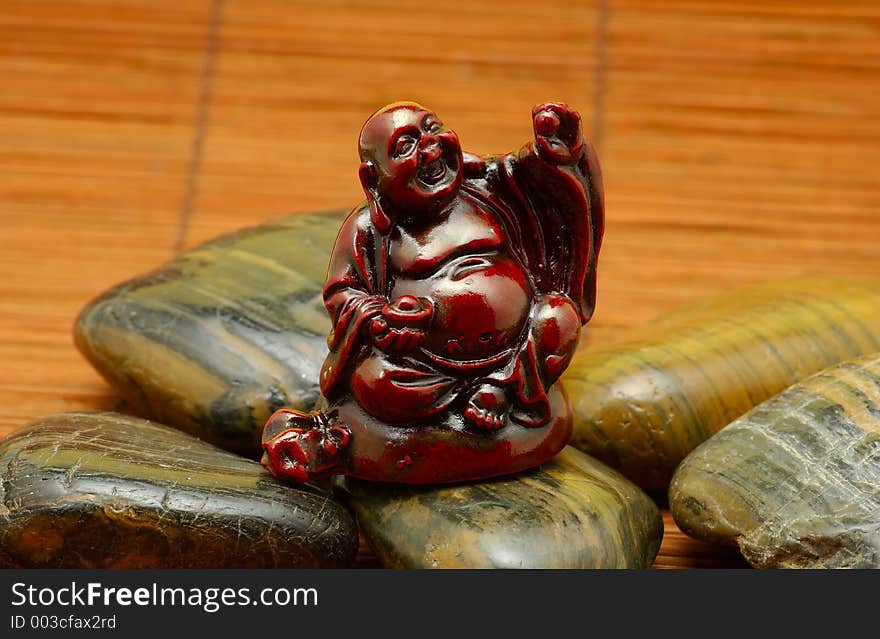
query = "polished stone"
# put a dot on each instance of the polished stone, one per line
(572, 512)
(102, 490)
(216, 340)
(796, 481)
(642, 405)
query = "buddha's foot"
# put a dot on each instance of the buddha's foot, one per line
(301, 447)
(487, 408)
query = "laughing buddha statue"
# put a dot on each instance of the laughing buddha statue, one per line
(456, 293)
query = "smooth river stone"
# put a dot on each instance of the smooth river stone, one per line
(103, 490)
(796, 481)
(642, 405)
(216, 340)
(572, 512)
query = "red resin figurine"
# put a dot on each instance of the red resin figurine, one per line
(457, 293)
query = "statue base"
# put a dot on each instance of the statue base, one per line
(344, 440)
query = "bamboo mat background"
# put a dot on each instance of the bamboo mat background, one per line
(740, 142)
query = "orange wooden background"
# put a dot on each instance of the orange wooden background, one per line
(740, 142)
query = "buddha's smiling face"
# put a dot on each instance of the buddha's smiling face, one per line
(417, 160)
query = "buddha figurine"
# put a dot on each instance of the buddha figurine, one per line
(456, 293)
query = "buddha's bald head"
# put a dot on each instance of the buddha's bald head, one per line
(409, 157)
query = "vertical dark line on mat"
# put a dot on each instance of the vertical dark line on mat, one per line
(596, 135)
(206, 80)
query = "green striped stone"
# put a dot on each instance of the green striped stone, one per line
(796, 481)
(643, 404)
(216, 340)
(573, 512)
(102, 490)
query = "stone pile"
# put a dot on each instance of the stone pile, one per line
(764, 405)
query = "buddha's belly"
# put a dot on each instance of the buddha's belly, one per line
(481, 305)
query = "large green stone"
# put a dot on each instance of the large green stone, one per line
(796, 481)
(573, 512)
(216, 340)
(643, 404)
(102, 490)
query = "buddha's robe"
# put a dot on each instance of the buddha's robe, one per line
(510, 270)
